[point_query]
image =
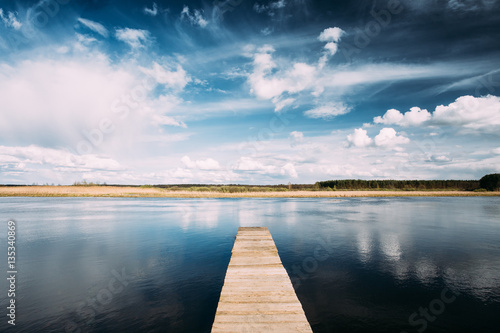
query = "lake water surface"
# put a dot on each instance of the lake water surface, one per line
(158, 264)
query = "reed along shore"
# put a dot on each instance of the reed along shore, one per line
(154, 192)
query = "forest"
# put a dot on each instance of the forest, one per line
(407, 185)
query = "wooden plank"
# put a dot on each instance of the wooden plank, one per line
(258, 295)
(261, 327)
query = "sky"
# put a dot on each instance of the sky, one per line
(248, 92)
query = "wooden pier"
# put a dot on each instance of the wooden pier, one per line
(258, 295)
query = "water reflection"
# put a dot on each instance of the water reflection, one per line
(364, 245)
(360, 263)
(248, 217)
(201, 214)
(390, 246)
(426, 271)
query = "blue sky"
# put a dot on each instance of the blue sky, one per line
(248, 92)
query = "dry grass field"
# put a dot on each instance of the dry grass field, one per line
(152, 192)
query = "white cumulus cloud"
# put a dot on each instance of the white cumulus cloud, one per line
(279, 79)
(267, 83)
(289, 170)
(359, 138)
(480, 114)
(474, 114)
(388, 137)
(331, 48)
(414, 117)
(177, 79)
(331, 35)
(136, 38)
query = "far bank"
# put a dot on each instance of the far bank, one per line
(153, 192)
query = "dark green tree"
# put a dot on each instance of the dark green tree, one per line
(490, 182)
(408, 185)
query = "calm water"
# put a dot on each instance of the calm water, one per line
(158, 265)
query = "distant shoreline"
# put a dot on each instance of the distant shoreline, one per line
(153, 192)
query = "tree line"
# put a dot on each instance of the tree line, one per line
(489, 182)
(358, 184)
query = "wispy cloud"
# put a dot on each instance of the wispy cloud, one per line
(278, 79)
(270, 8)
(153, 11)
(10, 19)
(195, 18)
(470, 5)
(328, 111)
(94, 26)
